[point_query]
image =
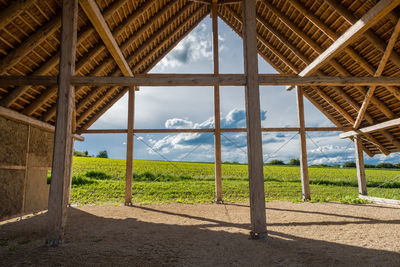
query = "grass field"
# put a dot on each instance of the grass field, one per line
(97, 180)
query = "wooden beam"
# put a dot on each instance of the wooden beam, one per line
(372, 128)
(14, 115)
(237, 29)
(94, 14)
(129, 147)
(254, 140)
(31, 42)
(61, 170)
(187, 29)
(133, 59)
(370, 35)
(378, 73)
(268, 45)
(217, 108)
(376, 13)
(44, 69)
(201, 79)
(305, 181)
(362, 183)
(14, 10)
(211, 130)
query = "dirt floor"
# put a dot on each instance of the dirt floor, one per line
(311, 234)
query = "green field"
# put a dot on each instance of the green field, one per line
(97, 180)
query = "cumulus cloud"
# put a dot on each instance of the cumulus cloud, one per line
(197, 45)
(231, 142)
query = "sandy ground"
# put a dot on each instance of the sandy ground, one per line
(310, 234)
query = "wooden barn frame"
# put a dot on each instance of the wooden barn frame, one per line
(341, 55)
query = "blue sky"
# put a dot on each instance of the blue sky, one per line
(192, 107)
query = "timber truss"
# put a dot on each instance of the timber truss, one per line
(341, 55)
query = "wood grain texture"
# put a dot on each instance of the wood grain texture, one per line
(62, 155)
(254, 142)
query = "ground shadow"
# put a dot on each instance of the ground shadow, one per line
(93, 240)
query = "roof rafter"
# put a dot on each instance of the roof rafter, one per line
(378, 73)
(94, 14)
(96, 114)
(382, 8)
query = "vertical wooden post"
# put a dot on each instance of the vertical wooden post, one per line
(254, 141)
(217, 109)
(61, 167)
(362, 182)
(305, 183)
(129, 147)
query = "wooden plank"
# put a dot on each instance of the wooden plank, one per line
(129, 147)
(378, 73)
(378, 200)
(61, 170)
(217, 108)
(305, 181)
(94, 14)
(362, 183)
(254, 141)
(372, 128)
(373, 15)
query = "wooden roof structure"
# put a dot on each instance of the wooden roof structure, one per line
(296, 37)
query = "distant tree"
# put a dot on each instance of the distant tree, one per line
(102, 154)
(276, 162)
(370, 166)
(385, 165)
(78, 153)
(397, 165)
(349, 164)
(294, 162)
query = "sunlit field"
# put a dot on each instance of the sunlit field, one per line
(98, 180)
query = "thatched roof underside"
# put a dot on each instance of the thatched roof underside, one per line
(291, 34)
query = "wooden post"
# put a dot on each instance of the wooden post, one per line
(362, 182)
(61, 167)
(129, 147)
(305, 183)
(217, 109)
(254, 141)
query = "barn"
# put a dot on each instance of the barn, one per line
(63, 64)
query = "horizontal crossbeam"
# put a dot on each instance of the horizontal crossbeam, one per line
(202, 80)
(372, 128)
(211, 130)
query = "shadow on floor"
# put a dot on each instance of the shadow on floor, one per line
(93, 240)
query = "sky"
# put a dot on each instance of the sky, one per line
(192, 107)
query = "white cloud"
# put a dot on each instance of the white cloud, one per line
(197, 45)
